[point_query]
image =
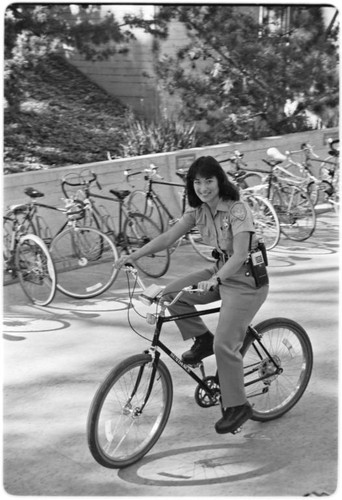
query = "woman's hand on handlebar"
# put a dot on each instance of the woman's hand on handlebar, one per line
(122, 261)
(208, 285)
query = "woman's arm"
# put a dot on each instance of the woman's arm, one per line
(164, 240)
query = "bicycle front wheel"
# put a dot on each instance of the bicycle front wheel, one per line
(127, 414)
(139, 230)
(84, 258)
(35, 268)
(278, 368)
(265, 218)
(295, 211)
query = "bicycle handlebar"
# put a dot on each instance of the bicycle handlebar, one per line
(151, 171)
(81, 182)
(154, 293)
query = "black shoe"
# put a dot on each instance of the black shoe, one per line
(202, 348)
(233, 418)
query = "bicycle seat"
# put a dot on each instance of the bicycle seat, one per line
(33, 193)
(121, 195)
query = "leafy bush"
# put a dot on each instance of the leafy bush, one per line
(142, 137)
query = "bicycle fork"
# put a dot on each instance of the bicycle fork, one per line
(138, 411)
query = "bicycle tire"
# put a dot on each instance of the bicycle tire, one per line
(295, 211)
(250, 180)
(139, 202)
(199, 246)
(289, 344)
(118, 435)
(319, 193)
(138, 230)
(84, 258)
(35, 269)
(265, 219)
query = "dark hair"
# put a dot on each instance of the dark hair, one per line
(207, 166)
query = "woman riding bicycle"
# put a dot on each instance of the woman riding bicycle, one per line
(226, 223)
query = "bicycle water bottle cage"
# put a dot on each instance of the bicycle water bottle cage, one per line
(75, 211)
(33, 193)
(120, 195)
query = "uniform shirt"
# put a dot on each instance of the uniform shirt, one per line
(218, 230)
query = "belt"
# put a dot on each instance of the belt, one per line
(219, 255)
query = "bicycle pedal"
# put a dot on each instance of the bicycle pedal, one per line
(237, 431)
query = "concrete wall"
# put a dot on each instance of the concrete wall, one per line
(111, 173)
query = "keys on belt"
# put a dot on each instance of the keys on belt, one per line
(219, 255)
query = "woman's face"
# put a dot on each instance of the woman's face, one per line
(207, 189)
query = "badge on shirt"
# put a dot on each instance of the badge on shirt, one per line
(225, 222)
(239, 211)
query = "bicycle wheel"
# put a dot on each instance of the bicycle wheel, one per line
(250, 180)
(84, 258)
(139, 230)
(122, 426)
(265, 219)
(319, 192)
(199, 246)
(274, 392)
(141, 202)
(295, 211)
(35, 268)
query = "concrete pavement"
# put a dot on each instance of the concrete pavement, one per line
(55, 357)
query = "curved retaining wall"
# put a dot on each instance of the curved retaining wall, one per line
(111, 172)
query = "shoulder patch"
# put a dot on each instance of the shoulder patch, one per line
(239, 211)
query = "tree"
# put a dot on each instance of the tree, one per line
(35, 30)
(237, 75)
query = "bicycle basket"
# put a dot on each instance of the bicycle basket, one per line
(75, 210)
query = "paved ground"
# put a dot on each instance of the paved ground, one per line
(55, 358)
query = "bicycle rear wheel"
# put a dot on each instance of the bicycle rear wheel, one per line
(84, 258)
(295, 211)
(122, 426)
(265, 218)
(271, 391)
(139, 230)
(35, 268)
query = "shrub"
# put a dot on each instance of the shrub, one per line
(142, 137)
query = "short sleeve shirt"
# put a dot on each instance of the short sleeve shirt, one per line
(231, 218)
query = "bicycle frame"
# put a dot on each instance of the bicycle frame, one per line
(151, 193)
(156, 196)
(156, 344)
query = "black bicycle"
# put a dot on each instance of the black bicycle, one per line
(132, 405)
(131, 231)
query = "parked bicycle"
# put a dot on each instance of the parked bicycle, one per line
(132, 405)
(295, 211)
(74, 248)
(323, 188)
(264, 214)
(27, 258)
(132, 230)
(150, 203)
(320, 188)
